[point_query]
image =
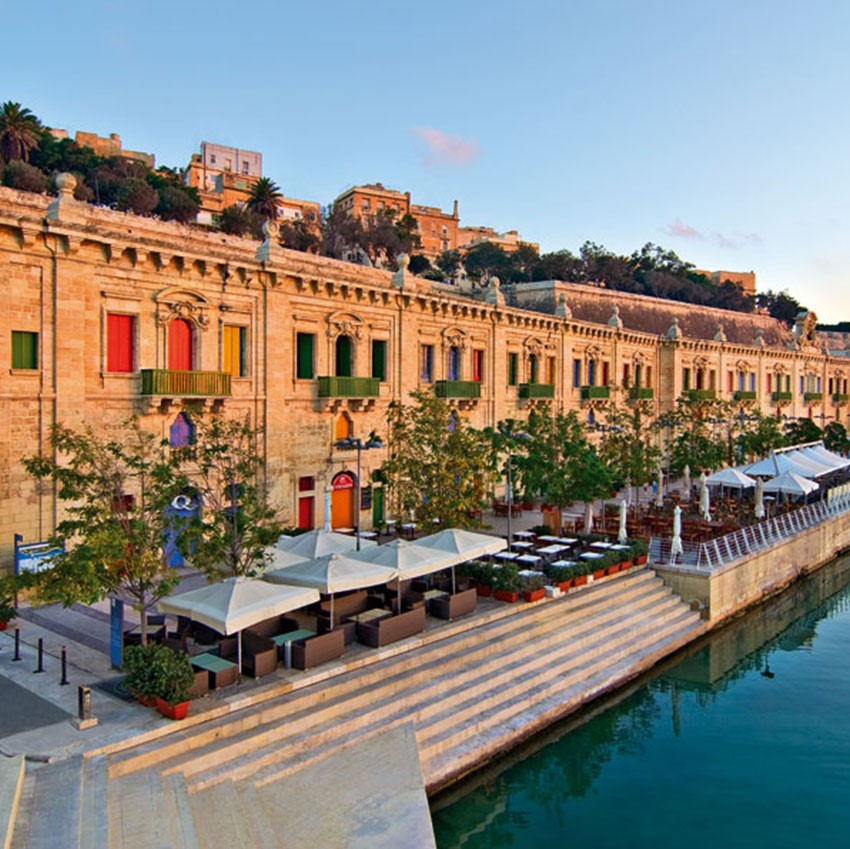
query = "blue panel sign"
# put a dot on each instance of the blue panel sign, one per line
(116, 632)
(34, 556)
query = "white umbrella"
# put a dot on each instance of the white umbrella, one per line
(319, 542)
(234, 604)
(791, 484)
(588, 518)
(466, 545)
(704, 501)
(686, 483)
(659, 494)
(333, 573)
(622, 536)
(759, 498)
(676, 542)
(733, 478)
(777, 464)
(409, 559)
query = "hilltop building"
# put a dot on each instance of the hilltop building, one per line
(106, 146)
(744, 280)
(224, 176)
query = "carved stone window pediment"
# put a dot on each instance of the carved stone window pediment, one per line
(345, 324)
(182, 303)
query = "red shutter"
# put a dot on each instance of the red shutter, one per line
(119, 343)
(180, 345)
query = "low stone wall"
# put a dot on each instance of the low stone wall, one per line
(735, 586)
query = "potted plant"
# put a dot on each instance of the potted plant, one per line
(533, 587)
(640, 550)
(7, 612)
(582, 573)
(481, 576)
(506, 583)
(562, 576)
(171, 679)
(138, 665)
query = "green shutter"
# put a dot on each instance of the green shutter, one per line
(304, 370)
(513, 368)
(379, 359)
(24, 350)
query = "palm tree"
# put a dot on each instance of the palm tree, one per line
(265, 194)
(20, 131)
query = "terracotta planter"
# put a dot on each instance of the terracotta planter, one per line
(505, 595)
(612, 570)
(580, 581)
(626, 565)
(3, 626)
(598, 573)
(534, 595)
(147, 701)
(483, 591)
(178, 711)
(565, 585)
(639, 561)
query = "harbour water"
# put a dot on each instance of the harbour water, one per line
(742, 741)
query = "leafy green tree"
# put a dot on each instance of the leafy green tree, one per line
(419, 264)
(690, 436)
(25, 177)
(136, 195)
(302, 234)
(236, 525)
(438, 465)
(264, 197)
(557, 463)
(835, 438)
(177, 204)
(802, 430)
(240, 221)
(449, 262)
(407, 231)
(780, 305)
(20, 131)
(341, 232)
(116, 491)
(627, 443)
(761, 435)
(486, 260)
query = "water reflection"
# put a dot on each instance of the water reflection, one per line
(568, 781)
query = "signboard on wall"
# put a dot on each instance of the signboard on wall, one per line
(344, 480)
(33, 556)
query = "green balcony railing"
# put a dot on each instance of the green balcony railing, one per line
(457, 389)
(700, 394)
(536, 390)
(349, 387)
(641, 393)
(744, 395)
(840, 398)
(590, 393)
(808, 397)
(201, 384)
(776, 397)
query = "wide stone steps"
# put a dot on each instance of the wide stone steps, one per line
(433, 696)
(358, 688)
(450, 672)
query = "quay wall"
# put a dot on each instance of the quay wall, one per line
(733, 587)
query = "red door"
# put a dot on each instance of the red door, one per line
(305, 512)
(180, 345)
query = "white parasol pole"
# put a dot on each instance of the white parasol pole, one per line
(622, 536)
(676, 542)
(327, 508)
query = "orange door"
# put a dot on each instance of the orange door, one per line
(180, 345)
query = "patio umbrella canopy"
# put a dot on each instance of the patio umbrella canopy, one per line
(823, 455)
(236, 603)
(622, 536)
(790, 484)
(409, 559)
(319, 542)
(704, 500)
(463, 545)
(777, 464)
(676, 542)
(732, 478)
(759, 506)
(333, 573)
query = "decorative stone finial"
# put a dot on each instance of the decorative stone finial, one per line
(720, 336)
(615, 320)
(271, 229)
(65, 185)
(403, 279)
(674, 332)
(759, 339)
(403, 261)
(494, 293)
(562, 310)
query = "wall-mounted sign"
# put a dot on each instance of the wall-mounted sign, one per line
(344, 480)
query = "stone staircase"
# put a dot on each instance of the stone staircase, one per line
(462, 699)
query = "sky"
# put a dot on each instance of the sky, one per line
(718, 130)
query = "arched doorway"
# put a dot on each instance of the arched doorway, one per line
(343, 488)
(180, 345)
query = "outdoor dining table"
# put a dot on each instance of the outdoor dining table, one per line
(552, 549)
(567, 541)
(430, 595)
(369, 615)
(522, 545)
(368, 535)
(286, 640)
(530, 559)
(564, 563)
(408, 529)
(523, 535)
(221, 672)
(548, 539)
(605, 545)
(530, 573)
(506, 555)
(591, 555)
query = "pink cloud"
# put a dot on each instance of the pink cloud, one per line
(683, 231)
(443, 149)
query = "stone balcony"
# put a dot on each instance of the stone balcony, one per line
(355, 392)
(537, 391)
(163, 387)
(595, 393)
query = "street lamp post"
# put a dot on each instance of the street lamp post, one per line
(352, 443)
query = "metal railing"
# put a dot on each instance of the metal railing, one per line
(214, 384)
(721, 550)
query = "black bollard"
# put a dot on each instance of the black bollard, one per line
(64, 681)
(17, 643)
(40, 667)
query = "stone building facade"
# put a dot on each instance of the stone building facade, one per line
(108, 314)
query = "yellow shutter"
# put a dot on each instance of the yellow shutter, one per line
(231, 359)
